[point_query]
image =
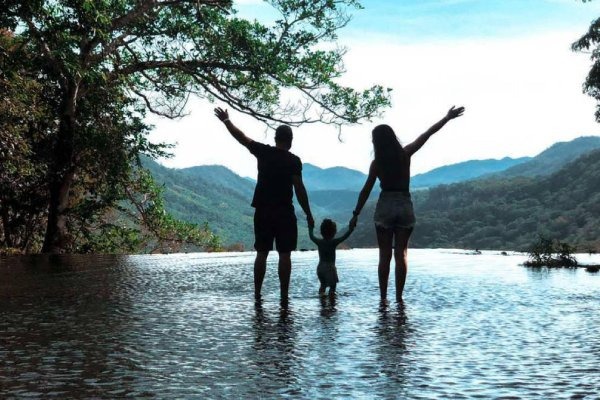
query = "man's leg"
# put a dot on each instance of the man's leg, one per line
(286, 239)
(284, 270)
(263, 243)
(260, 267)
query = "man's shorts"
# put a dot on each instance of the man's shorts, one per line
(275, 223)
(394, 210)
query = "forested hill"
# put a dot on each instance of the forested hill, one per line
(335, 178)
(554, 157)
(341, 178)
(464, 171)
(218, 196)
(545, 163)
(209, 194)
(507, 213)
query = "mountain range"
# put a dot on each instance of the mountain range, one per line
(218, 196)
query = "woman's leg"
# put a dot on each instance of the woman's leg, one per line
(400, 256)
(332, 291)
(384, 242)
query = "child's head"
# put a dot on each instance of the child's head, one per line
(328, 229)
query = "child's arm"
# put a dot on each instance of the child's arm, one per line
(345, 236)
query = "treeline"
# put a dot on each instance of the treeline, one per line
(507, 213)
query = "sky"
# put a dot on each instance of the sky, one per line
(508, 62)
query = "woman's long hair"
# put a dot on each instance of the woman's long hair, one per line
(389, 154)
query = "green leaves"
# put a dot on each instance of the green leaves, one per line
(591, 41)
(101, 65)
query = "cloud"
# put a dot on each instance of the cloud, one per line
(521, 94)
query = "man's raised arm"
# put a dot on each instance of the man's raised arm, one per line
(238, 135)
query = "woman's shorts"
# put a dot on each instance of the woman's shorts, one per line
(327, 273)
(394, 210)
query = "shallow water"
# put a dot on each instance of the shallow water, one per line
(187, 326)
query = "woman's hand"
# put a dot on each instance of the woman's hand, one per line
(455, 112)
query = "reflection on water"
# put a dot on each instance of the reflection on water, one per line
(273, 350)
(393, 356)
(187, 326)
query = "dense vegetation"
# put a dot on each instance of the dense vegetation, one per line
(210, 194)
(553, 158)
(509, 213)
(78, 78)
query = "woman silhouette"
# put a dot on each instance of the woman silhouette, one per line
(394, 216)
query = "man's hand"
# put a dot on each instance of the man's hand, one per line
(455, 112)
(223, 115)
(310, 221)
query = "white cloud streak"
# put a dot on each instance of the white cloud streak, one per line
(521, 96)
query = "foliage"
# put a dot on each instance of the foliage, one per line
(25, 119)
(115, 136)
(142, 224)
(590, 42)
(551, 253)
(105, 63)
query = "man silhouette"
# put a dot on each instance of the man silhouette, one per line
(279, 175)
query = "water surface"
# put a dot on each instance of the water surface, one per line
(187, 326)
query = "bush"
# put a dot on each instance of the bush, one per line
(551, 253)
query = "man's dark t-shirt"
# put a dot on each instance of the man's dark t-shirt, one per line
(274, 186)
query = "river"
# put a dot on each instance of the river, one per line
(187, 326)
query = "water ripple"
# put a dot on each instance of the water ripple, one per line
(186, 326)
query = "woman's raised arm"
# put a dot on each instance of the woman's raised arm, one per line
(413, 147)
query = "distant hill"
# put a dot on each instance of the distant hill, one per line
(464, 171)
(220, 176)
(341, 178)
(508, 213)
(554, 158)
(335, 178)
(218, 196)
(333, 191)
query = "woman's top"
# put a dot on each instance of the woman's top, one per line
(396, 178)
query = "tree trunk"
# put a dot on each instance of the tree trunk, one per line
(56, 239)
(6, 225)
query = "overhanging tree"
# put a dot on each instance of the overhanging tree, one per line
(127, 56)
(590, 41)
